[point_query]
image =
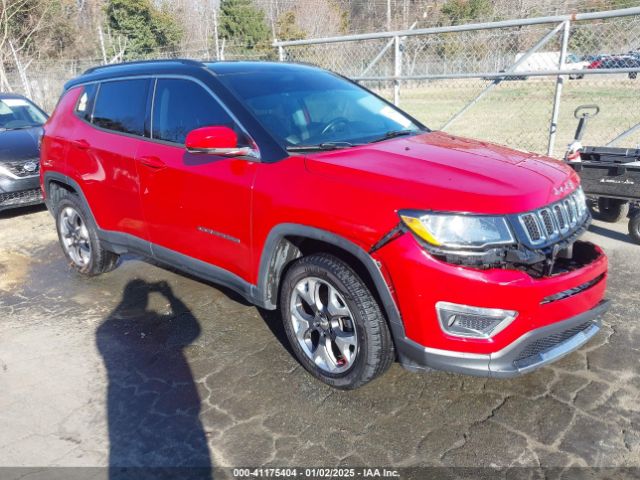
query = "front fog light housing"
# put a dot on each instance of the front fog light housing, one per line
(475, 322)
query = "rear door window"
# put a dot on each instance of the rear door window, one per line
(180, 106)
(121, 106)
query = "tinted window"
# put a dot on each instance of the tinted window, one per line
(121, 106)
(181, 106)
(84, 108)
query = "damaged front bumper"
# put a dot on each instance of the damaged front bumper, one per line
(558, 301)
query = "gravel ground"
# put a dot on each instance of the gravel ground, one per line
(125, 369)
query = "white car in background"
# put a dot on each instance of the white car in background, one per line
(549, 61)
(574, 62)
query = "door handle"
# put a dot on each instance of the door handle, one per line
(151, 161)
(81, 144)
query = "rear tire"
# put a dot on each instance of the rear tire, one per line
(634, 228)
(611, 209)
(333, 322)
(78, 236)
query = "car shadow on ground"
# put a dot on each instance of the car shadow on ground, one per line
(273, 320)
(153, 404)
(19, 211)
(612, 234)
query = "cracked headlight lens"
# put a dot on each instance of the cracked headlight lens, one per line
(446, 230)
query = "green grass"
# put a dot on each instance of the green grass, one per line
(518, 113)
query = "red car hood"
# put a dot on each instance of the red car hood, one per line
(442, 172)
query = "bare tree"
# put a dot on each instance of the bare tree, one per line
(17, 36)
(320, 18)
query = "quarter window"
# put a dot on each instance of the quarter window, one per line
(84, 108)
(121, 106)
(181, 106)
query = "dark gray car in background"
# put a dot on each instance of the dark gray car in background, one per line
(20, 131)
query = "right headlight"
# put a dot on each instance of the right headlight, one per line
(458, 231)
(581, 202)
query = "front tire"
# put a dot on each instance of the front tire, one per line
(634, 228)
(333, 322)
(78, 236)
(611, 209)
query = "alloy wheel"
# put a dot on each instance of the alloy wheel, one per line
(75, 236)
(324, 325)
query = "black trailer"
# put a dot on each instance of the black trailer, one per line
(610, 176)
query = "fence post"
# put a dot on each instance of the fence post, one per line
(512, 69)
(553, 127)
(281, 53)
(397, 70)
(383, 51)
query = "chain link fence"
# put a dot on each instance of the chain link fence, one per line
(514, 82)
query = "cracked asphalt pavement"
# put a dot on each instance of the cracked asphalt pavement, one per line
(146, 366)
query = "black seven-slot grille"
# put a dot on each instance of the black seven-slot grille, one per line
(556, 220)
(529, 355)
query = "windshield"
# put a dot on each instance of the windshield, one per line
(305, 107)
(16, 113)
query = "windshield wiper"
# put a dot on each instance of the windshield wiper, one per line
(23, 127)
(321, 147)
(394, 134)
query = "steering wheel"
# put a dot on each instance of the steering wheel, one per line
(334, 123)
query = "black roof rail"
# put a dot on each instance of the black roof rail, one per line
(183, 61)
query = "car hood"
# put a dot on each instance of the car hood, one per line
(19, 144)
(437, 171)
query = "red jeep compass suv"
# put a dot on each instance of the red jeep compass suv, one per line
(375, 237)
